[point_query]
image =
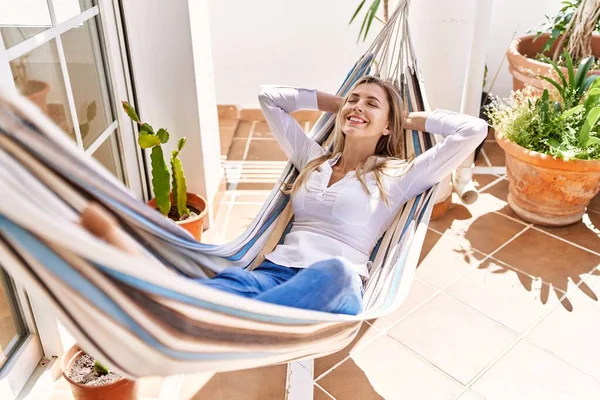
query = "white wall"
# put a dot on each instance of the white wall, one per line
(310, 44)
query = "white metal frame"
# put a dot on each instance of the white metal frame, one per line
(45, 339)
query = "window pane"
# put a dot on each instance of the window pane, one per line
(65, 9)
(88, 80)
(38, 76)
(12, 328)
(22, 19)
(109, 155)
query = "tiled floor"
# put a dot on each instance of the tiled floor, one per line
(499, 309)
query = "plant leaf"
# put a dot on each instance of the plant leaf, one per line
(582, 71)
(360, 6)
(160, 180)
(591, 141)
(557, 69)
(555, 84)
(570, 68)
(147, 128)
(163, 135)
(591, 82)
(181, 143)
(588, 125)
(592, 99)
(130, 111)
(146, 141)
(179, 186)
(572, 111)
(91, 110)
(101, 369)
(84, 129)
(371, 16)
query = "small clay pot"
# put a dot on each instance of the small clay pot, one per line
(195, 224)
(546, 190)
(121, 389)
(524, 68)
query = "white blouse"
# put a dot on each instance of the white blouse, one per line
(343, 220)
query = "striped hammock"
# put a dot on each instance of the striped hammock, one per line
(139, 311)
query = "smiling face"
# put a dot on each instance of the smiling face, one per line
(365, 114)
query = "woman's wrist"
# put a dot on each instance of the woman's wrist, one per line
(329, 102)
(416, 120)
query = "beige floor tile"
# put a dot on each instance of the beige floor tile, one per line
(265, 150)
(240, 217)
(494, 153)
(528, 373)
(585, 233)
(386, 370)
(475, 230)
(255, 186)
(443, 260)
(590, 286)
(557, 263)
(262, 130)
(507, 296)
(469, 396)
(571, 333)
(481, 180)
(251, 384)
(216, 234)
(150, 387)
(319, 394)
(254, 196)
(243, 129)
(366, 335)
(453, 337)
(238, 147)
(61, 396)
(418, 295)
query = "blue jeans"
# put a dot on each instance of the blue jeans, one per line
(329, 285)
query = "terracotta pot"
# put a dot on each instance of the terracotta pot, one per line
(547, 190)
(121, 389)
(37, 91)
(192, 225)
(524, 68)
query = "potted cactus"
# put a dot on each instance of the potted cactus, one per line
(187, 210)
(90, 380)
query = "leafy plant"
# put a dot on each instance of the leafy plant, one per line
(567, 129)
(571, 87)
(161, 177)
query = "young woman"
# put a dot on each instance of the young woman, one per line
(344, 200)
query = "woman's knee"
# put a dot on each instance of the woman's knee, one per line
(335, 268)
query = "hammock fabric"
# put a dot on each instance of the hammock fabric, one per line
(138, 311)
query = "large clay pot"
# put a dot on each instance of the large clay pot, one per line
(192, 225)
(37, 91)
(121, 389)
(546, 190)
(525, 69)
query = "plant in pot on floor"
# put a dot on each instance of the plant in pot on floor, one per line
(571, 30)
(552, 146)
(187, 210)
(91, 380)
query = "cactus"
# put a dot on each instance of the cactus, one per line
(179, 186)
(161, 178)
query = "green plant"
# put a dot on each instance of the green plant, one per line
(563, 124)
(161, 177)
(573, 27)
(100, 369)
(370, 16)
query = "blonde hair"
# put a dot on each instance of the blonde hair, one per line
(391, 146)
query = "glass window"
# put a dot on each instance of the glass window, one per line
(88, 80)
(12, 328)
(38, 77)
(22, 19)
